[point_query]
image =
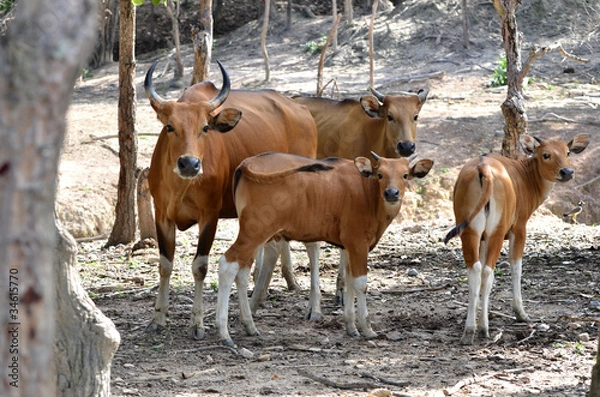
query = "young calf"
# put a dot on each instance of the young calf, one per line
(348, 204)
(493, 198)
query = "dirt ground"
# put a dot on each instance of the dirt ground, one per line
(419, 317)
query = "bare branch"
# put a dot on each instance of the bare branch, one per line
(322, 59)
(536, 52)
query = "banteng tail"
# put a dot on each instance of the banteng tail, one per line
(485, 178)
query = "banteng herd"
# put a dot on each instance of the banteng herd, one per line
(313, 169)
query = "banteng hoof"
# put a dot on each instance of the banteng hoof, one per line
(154, 328)
(197, 332)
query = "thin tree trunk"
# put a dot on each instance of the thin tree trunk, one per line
(334, 12)
(513, 108)
(288, 25)
(349, 11)
(465, 24)
(42, 54)
(124, 228)
(202, 40)
(144, 201)
(173, 11)
(595, 384)
(82, 330)
(371, 50)
(320, 87)
(263, 40)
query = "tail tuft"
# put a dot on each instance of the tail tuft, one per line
(456, 231)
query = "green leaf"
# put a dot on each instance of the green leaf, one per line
(137, 3)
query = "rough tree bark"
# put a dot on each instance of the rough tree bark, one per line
(465, 23)
(202, 39)
(41, 56)
(371, 49)
(513, 108)
(595, 384)
(263, 40)
(334, 41)
(349, 11)
(81, 330)
(124, 228)
(173, 11)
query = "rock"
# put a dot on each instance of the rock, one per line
(413, 273)
(583, 337)
(246, 353)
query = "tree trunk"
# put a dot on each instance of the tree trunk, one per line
(334, 40)
(173, 10)
(146, 223)
(42, 54)
(202, 39)
(124, 228)
(513, 107)
(371, 49)
(263, 40)
(82, 330)
(465, 24)
(288, 23)
(349, 11)
(595, 385)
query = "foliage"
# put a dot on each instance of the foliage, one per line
(138, 3)
(499, 74)
(315, 47)
(6, 6)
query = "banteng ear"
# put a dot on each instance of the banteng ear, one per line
(579, 143)
(364, 166)
(423, 95)
(371, 106)
(226, 119)
(421, 168)
(528, 143)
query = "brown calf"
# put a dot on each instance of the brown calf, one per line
(346, 203)
(384, 124)
(493, 198)
(197, 152)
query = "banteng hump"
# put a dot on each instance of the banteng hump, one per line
(493, 199)
(206, 134)
(346, 203)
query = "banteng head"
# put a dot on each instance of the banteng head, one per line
(399, 113)
(552, 156)
(393, 175)
(188, 121)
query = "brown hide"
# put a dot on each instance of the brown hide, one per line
(353, 128)
(326, 200)
(206, 134)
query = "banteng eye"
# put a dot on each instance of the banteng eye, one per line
(405, 176)
(380, 176)
(205, 128)
(568, 154)
(390, 118)
(170, 128)
(546, 156)
(416, 117)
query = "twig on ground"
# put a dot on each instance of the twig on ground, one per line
(478, 379)
(94, 138)
(93, 238)
(338, 385)
(587, 183)
(134, 291)
(412, 290)
(381, 379)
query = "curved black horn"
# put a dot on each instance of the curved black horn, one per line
(375, 156)
(150, 93)
(377, 94)
(222, 95)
